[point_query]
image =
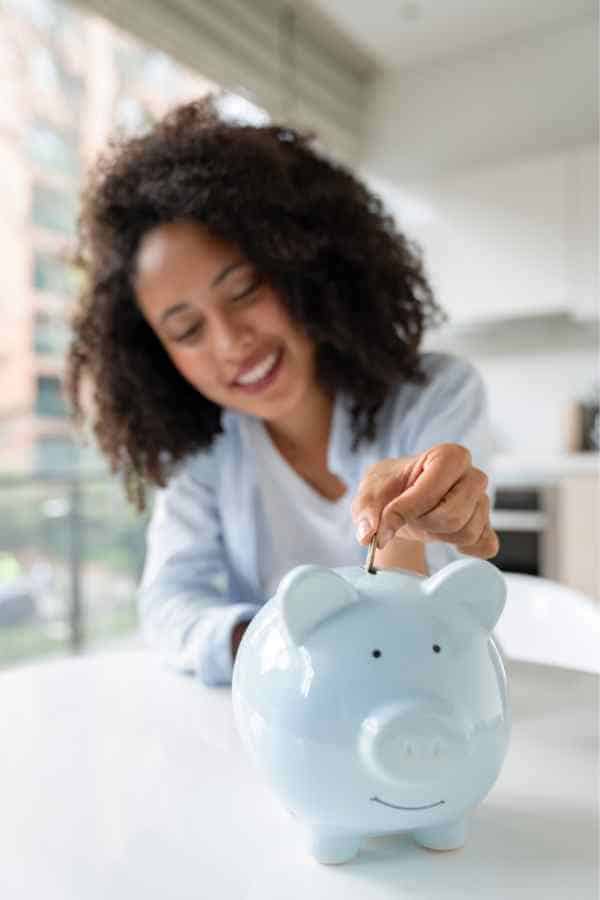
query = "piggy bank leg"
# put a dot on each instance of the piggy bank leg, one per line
(331, 846)
(449, 836)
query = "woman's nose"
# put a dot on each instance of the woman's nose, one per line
(231, 336)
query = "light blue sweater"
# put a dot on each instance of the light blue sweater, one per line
(201, 573)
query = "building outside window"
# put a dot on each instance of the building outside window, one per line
(50, 335)
(52, 149)
(53, 275)
(69, 82)
(49, 399)
(53, 209)
(54, 454)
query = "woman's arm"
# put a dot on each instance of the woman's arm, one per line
(399, 554)
(186, 610)
(434, 489)
(236, 636)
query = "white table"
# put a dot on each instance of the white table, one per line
(121, 779)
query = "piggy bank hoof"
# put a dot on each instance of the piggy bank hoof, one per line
(442, 837)
(332, 847)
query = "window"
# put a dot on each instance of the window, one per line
(239, 108)
(130, 117)
(53, 275)
(41, 13)
(49, 77)
(54, 454)
(53, 150)
(129, 60)
(49, 399)
(68, 82)
(53, 209)
(50, 335)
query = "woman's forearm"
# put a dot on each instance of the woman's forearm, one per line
(401, 554)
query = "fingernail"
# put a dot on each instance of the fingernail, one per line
(363, 528)
(384, 537)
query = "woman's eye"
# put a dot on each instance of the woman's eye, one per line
(189, 333)
(249, 290)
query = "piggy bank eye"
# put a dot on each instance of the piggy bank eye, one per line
(376, 654)
(436, 648)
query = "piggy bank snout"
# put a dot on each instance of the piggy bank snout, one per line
(414, 743)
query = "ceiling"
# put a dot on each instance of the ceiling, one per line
(409, 33)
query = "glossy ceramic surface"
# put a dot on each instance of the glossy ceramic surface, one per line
(376, 702)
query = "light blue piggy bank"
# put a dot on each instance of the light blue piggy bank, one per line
(376, 702)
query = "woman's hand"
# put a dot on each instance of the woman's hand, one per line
(435, 496)
(236, 637)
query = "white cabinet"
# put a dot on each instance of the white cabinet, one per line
(582, 222)
(572, 537)
(516, 239)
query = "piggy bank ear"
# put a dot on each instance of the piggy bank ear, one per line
(310, 594)
(470, 585)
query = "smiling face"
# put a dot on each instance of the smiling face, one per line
(225, 329)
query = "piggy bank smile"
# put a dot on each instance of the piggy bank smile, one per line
(409, 808)
(422, 719)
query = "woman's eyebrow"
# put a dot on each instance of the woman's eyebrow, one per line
(225, 272)
(172, 311)
(180, 307)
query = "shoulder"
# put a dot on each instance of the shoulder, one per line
(225, 452)
(444, 370)
(198, 468)
(444, 407)
(447, 377)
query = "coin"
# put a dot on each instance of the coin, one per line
(369, 567)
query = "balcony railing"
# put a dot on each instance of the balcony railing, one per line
(71, 554)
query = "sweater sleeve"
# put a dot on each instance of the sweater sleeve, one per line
(185, 608)
(452, 408)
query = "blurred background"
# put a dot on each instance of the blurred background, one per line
(476, 123)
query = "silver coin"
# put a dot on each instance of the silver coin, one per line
(369, 567)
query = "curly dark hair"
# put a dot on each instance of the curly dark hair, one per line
(313, 230)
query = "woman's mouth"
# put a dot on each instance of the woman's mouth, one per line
(261, 375)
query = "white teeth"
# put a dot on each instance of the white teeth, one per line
(259, 371)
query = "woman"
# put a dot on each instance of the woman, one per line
(251, 328)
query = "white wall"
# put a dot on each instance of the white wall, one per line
(530, 394)
(519, 99)
(534, 369)
(523, 98)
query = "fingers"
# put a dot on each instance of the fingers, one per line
(453, 513)
(436, 496)
(475, 538)
(407, 488)
(472, 530)
(442, 470)
(380, 484)
(486, 547)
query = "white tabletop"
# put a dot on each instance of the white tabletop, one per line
(121, 779)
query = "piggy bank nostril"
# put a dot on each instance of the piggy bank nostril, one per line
(413, 744)
(412, 749)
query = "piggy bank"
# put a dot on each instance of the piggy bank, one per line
(376, 702)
